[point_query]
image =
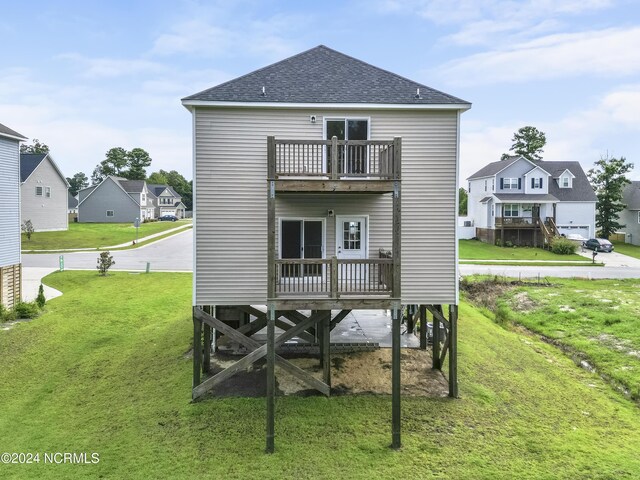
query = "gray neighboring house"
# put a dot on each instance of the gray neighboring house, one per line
(43, 193)
(630, 216)
(527, 203)
(10, 260)
(72, 208)
(115, 200)
(166, 200)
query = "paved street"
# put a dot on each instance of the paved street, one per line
(551, 271)
(174, 253)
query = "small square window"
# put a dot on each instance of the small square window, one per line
(47, 192)
(39, 191)
(109, 213)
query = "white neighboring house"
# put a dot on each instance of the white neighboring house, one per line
(525, 203)
(10, 261)
(630, 216)
(43, 193)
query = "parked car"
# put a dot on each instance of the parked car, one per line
(598, 245)
(168, 218)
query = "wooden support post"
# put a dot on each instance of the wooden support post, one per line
(453, 351)
(423, 327)
(271, 219)
(271, 378)
(334, 277)
(397, 220)
(334, 158)
(206, 360)
(395, 379)
(197, 349)
(435, 364)
(326, 348)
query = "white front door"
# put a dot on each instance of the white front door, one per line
(351, 237)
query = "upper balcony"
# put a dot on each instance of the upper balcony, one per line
(363, 166)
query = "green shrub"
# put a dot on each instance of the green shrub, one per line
(26, 310)
(40, 299)
(563, 246)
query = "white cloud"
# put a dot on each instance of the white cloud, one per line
(112, 67)
(609, 126)
(600, 52)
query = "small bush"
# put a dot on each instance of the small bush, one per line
(27, 228)
(502, 314)
(40, 299)
(563, 246)
(26, 310)
(508, 244)
(105, 260)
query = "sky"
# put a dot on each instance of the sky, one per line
(86, 76)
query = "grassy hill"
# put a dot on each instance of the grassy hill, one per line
(107, 370)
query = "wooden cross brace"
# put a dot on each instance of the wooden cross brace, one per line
(258, 351)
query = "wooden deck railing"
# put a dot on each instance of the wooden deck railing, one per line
(334, 159)
(333, 277)
(517, 222)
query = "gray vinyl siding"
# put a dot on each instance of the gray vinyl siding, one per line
(108, 196)
(46, 214)
(231, 203)
(376, 207)
(631, 221)
(10, 193)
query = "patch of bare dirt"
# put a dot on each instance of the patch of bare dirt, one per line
(523, 303)
(351, 373)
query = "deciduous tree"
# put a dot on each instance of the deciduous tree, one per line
(77, 183)
(608, 181)
(528, 142)
(35, 147)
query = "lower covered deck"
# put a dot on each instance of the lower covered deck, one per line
(268, 333)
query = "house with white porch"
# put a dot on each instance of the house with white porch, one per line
(521, 202)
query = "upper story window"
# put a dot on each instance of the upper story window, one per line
(352, 159)
(536, 182)
(39, 191)
(485, 185)
(47, 192)
(493, 184)
(144, 198)
(510, 183)
(565, 181)
(638, 217)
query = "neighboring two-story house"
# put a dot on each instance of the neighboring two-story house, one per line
(322, 184)
(630, 216)
(10, 261)
(43, 193)
(115, 200)
(527, 203)
(166, 200)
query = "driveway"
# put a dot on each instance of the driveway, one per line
(174, 253)
(612, 259)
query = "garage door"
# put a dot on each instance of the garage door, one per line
(574, 230)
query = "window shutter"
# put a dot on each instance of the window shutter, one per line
(501, 183)
(532, 184)
(519, 183)
(541, 182)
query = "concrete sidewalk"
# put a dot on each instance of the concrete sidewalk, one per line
(31, 279)
(122, 245)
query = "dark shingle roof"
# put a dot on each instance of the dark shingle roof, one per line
(323, 75)
(493, 168)
(632, 195)
(157, 189)
(581, 190)
(6, 131)
(28, 163)
(130, 186)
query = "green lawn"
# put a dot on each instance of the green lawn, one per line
(107, 370)
(94, 235)
(627, 249)
(598, 319)
(476, 250)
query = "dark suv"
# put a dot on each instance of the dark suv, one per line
(598, 245)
